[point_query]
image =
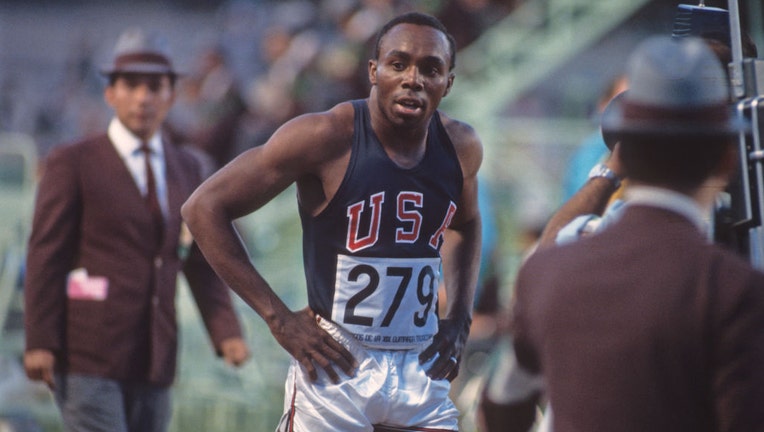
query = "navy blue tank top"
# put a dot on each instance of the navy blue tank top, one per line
(382, 232)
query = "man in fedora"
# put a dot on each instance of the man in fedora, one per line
(598, 201)
(104, 254)
(646, 324)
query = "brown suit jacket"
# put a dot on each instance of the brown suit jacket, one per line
(644, 327)
(90, 214)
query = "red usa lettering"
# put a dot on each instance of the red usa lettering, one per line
(408, 212)
(407, 203)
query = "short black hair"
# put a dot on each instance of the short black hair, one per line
(679, 163)
(417, 18)
(112, 77)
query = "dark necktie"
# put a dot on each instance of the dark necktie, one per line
(152, 202)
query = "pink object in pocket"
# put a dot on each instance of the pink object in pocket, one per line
(80, 286)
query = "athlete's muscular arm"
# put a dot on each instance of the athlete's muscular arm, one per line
(309, 146)
(461, 258)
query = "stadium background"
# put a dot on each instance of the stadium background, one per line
(528, 76)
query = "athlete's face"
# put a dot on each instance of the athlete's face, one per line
(141, 101)
(412, 74)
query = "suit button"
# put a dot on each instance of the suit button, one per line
(158, 262)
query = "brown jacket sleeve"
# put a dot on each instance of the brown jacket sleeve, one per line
(52, 246)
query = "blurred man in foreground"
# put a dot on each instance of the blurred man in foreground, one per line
(646, 325)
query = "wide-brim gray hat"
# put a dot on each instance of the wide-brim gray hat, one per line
(677, 87)
(137, 51)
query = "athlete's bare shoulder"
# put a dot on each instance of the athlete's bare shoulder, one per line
(320, 136)
(319, 150)
(466, 142)
(337, 122)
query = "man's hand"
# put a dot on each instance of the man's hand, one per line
(39, 366)
(448, 345)
(235, 351)
(614, 161)
(302, 337)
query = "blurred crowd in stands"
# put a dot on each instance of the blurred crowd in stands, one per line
(267, 62)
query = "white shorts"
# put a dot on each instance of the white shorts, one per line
(389, 388)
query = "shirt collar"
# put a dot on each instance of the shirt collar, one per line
(127, 143)
(672, 201)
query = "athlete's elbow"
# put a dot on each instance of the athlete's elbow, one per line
(192, 211)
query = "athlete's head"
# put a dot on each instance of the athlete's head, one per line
(412, 70)
(417, 18)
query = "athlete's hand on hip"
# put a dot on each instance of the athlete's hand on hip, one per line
(312, 346)
(447, 345)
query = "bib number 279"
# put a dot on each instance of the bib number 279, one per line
(384, 293)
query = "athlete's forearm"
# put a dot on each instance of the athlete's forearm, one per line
(220, 243)
(461, 264)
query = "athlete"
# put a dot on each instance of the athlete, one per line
(387, 193)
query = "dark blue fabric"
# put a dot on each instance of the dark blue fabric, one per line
(438, 177)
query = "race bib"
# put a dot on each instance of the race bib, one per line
(387, 303)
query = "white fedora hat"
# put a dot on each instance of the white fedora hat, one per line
(677, 87)
(137, 51)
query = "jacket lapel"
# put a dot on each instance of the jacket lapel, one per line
(122, 180)
(112, 163)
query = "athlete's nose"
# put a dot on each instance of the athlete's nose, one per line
(413, 79)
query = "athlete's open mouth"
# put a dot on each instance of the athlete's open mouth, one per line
(410, 104)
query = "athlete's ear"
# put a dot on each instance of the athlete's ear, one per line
(451, 77)
(373, 72)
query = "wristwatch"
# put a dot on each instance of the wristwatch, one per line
(600, 170)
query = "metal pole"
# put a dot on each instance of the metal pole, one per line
(736, 67)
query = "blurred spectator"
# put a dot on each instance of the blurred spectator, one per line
(269, 95)
(106, 247)
(326, 44)
(209, 107)
(678, 160)
(592, 150)
(469, 18)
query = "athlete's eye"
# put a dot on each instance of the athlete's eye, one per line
(431, 68)
(432, 71)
